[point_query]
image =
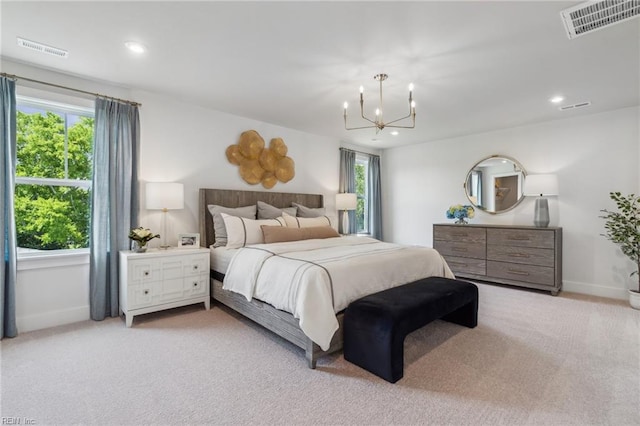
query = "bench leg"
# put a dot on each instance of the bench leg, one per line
(466, 315)
(376, 346)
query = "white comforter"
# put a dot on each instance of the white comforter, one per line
(315, 279)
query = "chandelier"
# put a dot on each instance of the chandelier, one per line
(378, 122)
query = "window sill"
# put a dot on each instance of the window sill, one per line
(53, 259)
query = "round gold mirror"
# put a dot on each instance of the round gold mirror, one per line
(495, 184)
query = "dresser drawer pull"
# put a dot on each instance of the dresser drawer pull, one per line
(516, 272)
(459, 249)
(461, 234)
(522, 255)
(518, 238)
(195, 267)
(146, 273)
(145, 292)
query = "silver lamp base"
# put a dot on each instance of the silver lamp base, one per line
(541, 215)
(345, 222)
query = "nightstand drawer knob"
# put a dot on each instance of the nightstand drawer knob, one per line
(195, 267)
(146, 273)
(195, 284)
(146, 292)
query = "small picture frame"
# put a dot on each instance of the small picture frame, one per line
(188, 240)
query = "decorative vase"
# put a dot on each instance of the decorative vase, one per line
(461, 221)
(634, 299)
(138, 246)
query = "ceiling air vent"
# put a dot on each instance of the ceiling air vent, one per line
(575, 106)
(42, 48)
(594, 15)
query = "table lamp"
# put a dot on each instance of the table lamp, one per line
(541, 186)
(164, 196)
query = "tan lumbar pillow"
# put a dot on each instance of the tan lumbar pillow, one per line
(279, 234)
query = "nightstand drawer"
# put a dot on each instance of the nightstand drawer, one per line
(143, 271)
(196, 285)
(140, 296)
(519, 272)
(521, 238)
(466, 265)
(196, 265)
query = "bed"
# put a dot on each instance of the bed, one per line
(280, 321)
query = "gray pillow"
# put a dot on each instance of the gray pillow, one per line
(220, 230)
(304, 211)
(267, 211)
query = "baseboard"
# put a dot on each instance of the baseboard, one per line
(52, 319)
(595, 290)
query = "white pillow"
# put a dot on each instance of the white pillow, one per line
(242, 231)
(307, 222)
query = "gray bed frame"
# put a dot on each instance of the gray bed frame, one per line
(281, 323)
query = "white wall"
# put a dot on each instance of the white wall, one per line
(591, 155)
(185, 143)
(179, 142)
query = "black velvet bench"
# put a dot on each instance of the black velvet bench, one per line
(375, 326)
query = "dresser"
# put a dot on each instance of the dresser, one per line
(523, 256)
(162, 279)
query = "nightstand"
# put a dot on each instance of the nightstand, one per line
(163, 279)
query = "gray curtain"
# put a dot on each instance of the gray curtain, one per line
(347, 184)
(114, 199)
(375, 198)
(8, 245)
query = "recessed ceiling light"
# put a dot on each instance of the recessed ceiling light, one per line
(136, 47)
(556, 99)
(395, 133)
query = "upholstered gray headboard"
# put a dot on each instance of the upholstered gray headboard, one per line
(237, 198)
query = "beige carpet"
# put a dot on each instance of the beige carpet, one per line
(533, 360)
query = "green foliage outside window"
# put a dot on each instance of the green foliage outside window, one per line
(51, 216)
(360, 170)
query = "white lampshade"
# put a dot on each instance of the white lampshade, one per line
(346, 201)
(164, 196)
(541, 185)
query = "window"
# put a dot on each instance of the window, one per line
(362, 208)
(53, 175)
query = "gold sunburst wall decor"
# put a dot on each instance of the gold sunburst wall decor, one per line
(260, 164)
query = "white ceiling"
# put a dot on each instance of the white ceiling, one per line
(476, 66)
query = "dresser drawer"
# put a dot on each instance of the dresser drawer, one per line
(460, 233)
(521, 238)
(465, 265)
(523, 255)
(460, 249)
(520, 272)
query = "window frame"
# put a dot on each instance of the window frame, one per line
(63, 109)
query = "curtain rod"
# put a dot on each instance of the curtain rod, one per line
(358, 152)
(16, 77)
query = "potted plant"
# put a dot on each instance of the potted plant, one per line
(623, 228)
(141, 237)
